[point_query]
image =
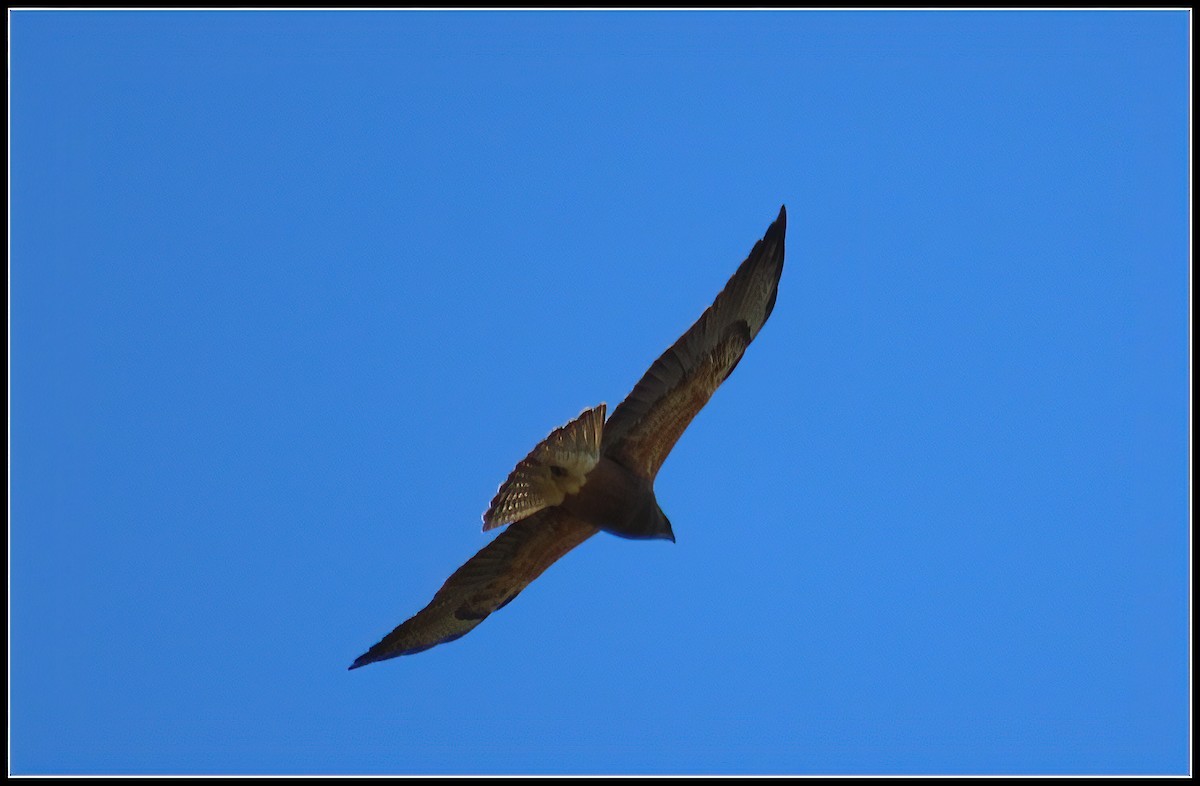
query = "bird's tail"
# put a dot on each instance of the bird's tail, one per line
(552, 470)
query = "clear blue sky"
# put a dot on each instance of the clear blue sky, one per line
(291, 293)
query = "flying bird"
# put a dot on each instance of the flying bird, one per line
(594, 474)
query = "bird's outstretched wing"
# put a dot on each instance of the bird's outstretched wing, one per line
(648, 423)
(490, 579)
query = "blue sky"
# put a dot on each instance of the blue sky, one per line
(291, 293)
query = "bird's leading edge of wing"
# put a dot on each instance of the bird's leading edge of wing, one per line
(648, 423)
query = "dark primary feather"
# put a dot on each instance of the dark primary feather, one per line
(648, 423)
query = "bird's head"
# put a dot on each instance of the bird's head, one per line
(663, 529)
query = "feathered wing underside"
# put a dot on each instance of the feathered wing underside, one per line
(645, 447)
(647, 424)
(487, 581)
(552, 470)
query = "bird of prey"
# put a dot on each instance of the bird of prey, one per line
(593, 474)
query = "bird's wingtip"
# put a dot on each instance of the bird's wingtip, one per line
(778, 226)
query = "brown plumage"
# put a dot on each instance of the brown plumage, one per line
(590, 474)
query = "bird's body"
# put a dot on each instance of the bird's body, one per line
(591, 474)
(617, 501)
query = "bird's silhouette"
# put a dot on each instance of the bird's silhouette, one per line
(592, 474)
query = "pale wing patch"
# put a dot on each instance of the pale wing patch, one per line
(558, 466)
